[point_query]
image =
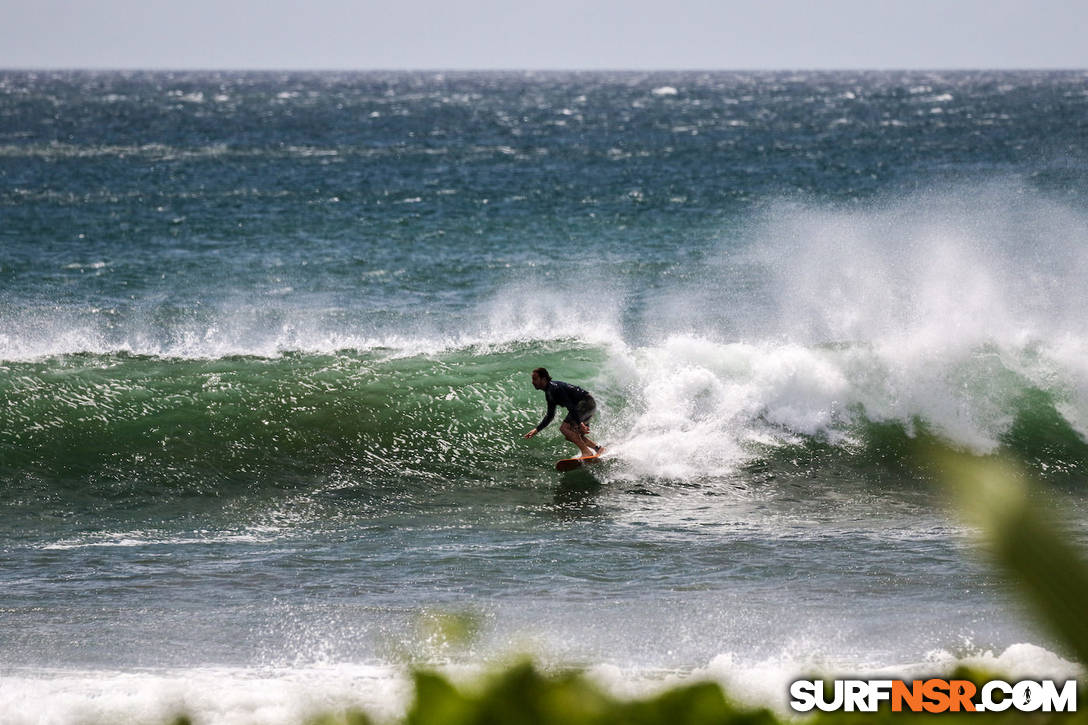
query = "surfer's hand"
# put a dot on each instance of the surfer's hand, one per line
(584, 427)
(530, 434)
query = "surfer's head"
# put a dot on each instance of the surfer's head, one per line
(541, 378)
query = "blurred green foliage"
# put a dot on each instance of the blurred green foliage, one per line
(1024, 539)
(521, 694)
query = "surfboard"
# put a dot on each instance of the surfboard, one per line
(569, 464)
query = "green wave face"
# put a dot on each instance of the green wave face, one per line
(124, 425)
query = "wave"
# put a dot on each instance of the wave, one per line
(688, 409)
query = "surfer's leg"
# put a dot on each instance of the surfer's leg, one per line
(580, 423)
(574, 435)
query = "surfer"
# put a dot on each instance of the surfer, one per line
(580, 408)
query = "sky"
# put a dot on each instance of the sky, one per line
(545, 34)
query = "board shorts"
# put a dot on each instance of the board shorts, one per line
(583, 411)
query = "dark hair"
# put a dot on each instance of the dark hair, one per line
(542, 372)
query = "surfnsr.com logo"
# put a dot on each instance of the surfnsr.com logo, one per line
(933, 695)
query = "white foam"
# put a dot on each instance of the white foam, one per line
(1019, 662)
(270, 696)
(219, 696)
(765, 682)
(701, 404)
(700, 401)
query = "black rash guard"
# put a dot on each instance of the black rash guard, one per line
(569, 396)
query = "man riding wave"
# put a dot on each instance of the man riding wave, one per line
(580, 408)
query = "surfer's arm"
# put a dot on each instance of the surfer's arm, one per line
(547, 416)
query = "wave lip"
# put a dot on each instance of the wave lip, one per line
(516, 315)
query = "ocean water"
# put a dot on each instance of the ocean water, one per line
(265, 343)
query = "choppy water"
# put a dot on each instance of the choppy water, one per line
(264, 354)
